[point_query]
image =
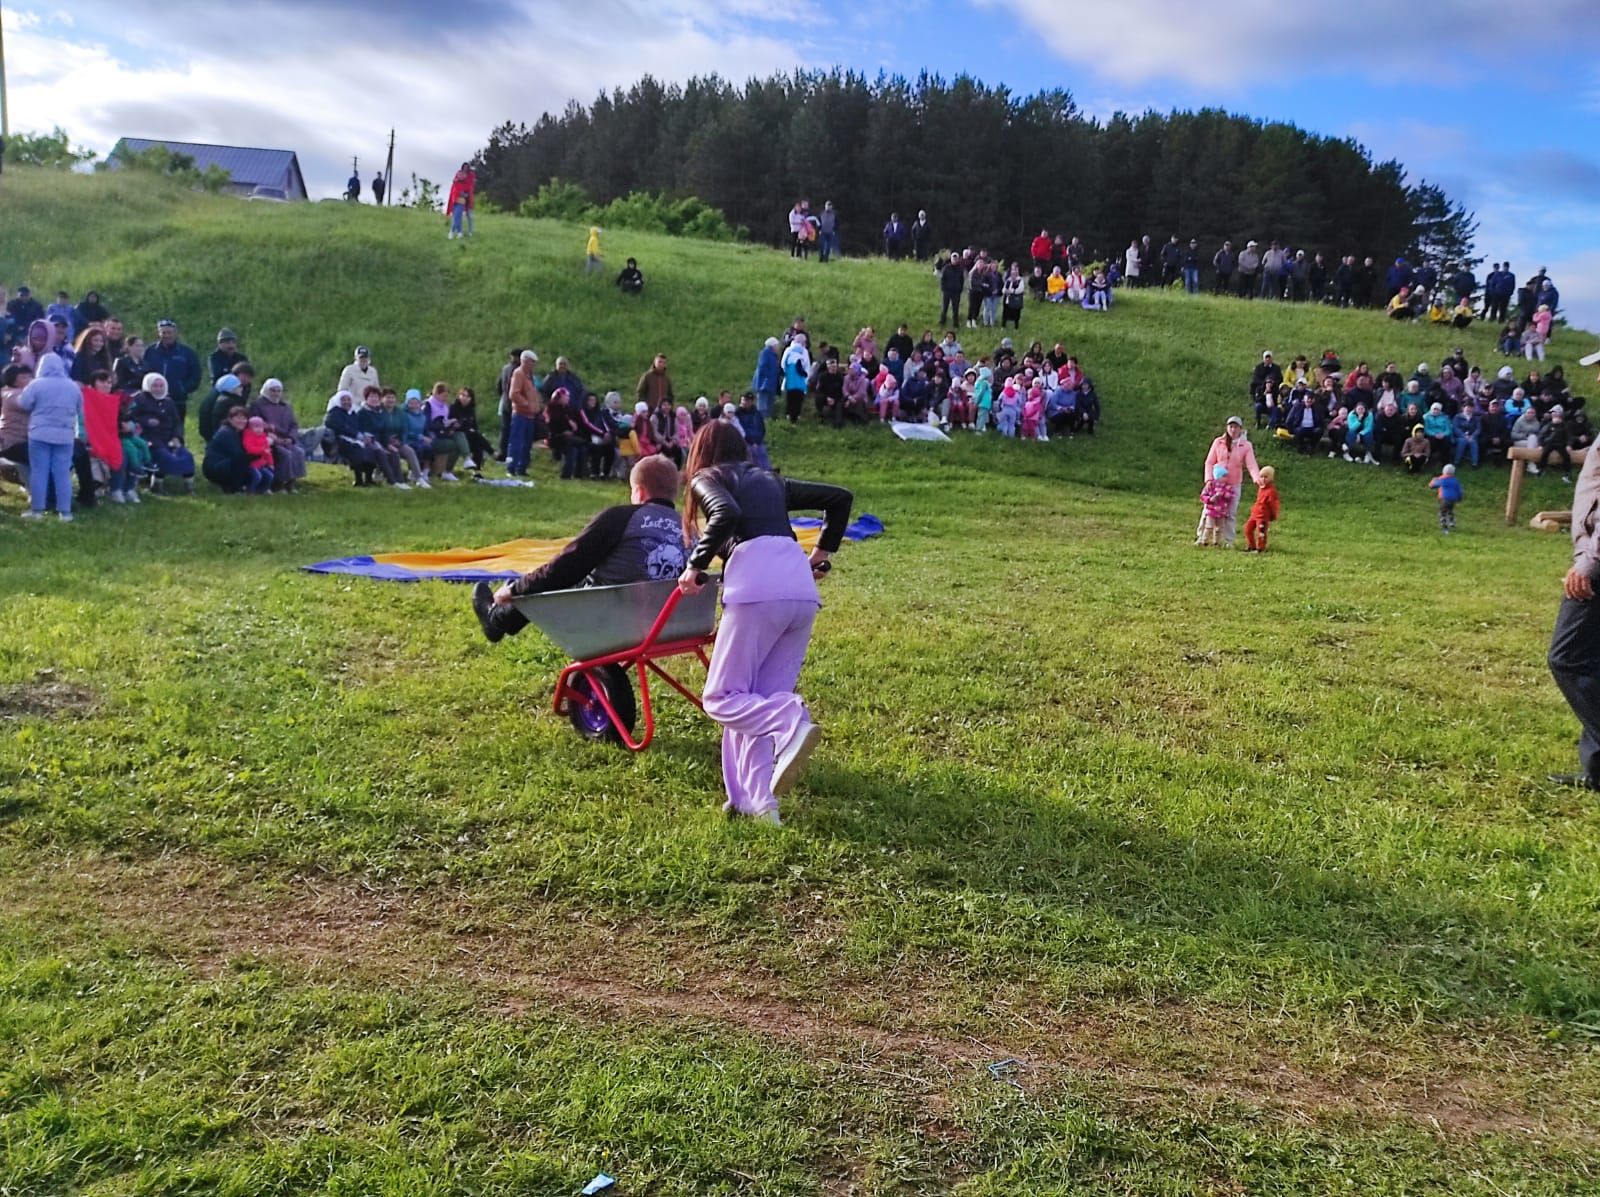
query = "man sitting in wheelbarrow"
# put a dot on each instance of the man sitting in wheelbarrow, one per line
(641, 541)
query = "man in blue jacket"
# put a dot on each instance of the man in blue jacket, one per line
(177, 363)
(768, 378)
(894, 236)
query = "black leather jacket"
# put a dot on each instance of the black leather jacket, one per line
(740, 502)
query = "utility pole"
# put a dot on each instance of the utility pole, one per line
(388, 174)
(5, 102)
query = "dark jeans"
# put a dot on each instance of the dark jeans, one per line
(1575, 664)
(1224, 284)
(601, 459)
(794, 403)
(1011, 315)
(951, 304)
(1566, 459)
(231, 481)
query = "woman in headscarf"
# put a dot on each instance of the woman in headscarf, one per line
(156, 416)
(90, 311)
(740, 513)
(352, 449)
(40, 338)
(288, 455)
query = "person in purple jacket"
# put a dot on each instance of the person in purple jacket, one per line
(769, 602)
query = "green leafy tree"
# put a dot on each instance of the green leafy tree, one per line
(177, 166)
(52, 149)
(422, 194)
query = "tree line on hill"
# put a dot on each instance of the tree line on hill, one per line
(990, 168)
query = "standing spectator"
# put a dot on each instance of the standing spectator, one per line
(177, 363)
(503, 400)
(827, 233)
(563, 376)
(1233, 450)
(952, 281)
(525, 404)
(1223, 262)
(377, 188)
(796, 377)
(226, 355)
(894, 236)
(1015, 291)
(797, 229)
(357, 376)
(1274, 263)
(655, 384)
(768, 377)
(1040, 250)
(1318, 278)
(54, 405)
(352, 190)
(1344, 281)
(1299, 274)
(1248, 263)
(1366, 283)
(921, 236)
(1133, 259)
(1575, 645)
(1190, 265)
(1398, 278)
(1171, 262)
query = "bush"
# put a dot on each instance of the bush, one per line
(170, 164)
(643, 211)
(53, 150)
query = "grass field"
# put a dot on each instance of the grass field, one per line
(1245, 863)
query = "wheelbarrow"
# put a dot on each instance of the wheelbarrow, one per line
(609, 630)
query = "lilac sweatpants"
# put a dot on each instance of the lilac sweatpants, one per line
(755, 665)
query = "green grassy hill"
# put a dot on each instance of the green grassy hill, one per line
(1248, 861)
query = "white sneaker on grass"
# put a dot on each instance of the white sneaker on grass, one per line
(31, 514)
(65, 517)
(402, 486)
(131, 495)
(423, 483)
(116, 496)
(447, 476)
(469, 464)
(791, 757)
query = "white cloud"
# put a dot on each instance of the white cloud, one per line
(1220, 44)
(442, 88)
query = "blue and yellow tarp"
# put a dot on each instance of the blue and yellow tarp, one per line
(513, 558)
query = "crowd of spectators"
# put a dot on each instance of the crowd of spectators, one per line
(1451, 414)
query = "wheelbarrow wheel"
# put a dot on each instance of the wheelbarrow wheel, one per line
(588, 717)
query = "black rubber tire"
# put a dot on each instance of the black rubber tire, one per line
(589, 718)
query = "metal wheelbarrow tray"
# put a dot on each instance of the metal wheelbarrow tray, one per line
(612, 629)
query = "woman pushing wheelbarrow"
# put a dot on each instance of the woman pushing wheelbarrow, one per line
(739, 512)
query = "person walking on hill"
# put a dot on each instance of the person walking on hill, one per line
(1233, 450)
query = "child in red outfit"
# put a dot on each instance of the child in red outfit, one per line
(258, 448)
(1262, 513)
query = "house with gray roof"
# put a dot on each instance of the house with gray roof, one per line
(247, 168)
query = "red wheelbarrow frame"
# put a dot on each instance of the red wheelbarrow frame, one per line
(641, 658)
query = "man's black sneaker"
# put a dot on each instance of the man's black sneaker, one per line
(1579, 781)
(483, 608)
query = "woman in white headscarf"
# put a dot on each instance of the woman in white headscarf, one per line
(288, 455)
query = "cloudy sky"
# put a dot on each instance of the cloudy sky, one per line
(1500, 105)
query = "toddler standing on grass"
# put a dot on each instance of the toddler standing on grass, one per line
(1263, 512)
(1216, 500)
(1449, 488)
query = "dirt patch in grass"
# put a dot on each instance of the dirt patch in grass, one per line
(45, 697)
(887, 1034)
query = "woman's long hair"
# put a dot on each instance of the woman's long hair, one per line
(717, 443)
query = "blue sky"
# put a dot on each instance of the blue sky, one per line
(1498, 104)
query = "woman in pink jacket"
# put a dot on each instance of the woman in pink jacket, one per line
(1234, 450)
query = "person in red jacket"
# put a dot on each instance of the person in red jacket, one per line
(1041, 249)
(463, 196)
(1262, 513)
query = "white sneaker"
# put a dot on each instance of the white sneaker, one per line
(1533, 467)
(447, 476)
(1369, 460)
(65, 517)
(1331, 455)
(31, 514)
(469, 464)
(401, 486)
(116, 497)
(131, 495)
(423, 483)
(791, 758)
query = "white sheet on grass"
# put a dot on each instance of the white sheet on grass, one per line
(916, 432)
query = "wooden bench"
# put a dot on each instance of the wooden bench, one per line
(1519, 456)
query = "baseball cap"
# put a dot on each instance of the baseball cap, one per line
(226, 334)
(363, 351)
(1235, 420)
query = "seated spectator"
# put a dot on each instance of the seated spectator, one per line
(90, 311)
(1304, 422)
(226, 356)
(372, 425)
(631, 278)
(568, 444)
(161, 426)
(347, 443)
(35, 345)
(288, 455)
(1358, 436)
(226, 464)
(464, 413)
(1400, 306)
(595, 426)
(1463, 314)
(1554, 437)
(1097, 297)
(393, 437)
(701, 414)
(1467, 427)
(137, 463)
(258, 448)
(1338, 426)
(1055, 287)
(102, 411)
(128, 369)
(1416, 451)
(1494, 432)
(857, 397)
(450, 443)
(916, 395)
(644, 445)
(663, 431)
(89, 355)
(209, 419)
(1439, 431)
(888, 401)
(13, 420)
(1039, 284)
